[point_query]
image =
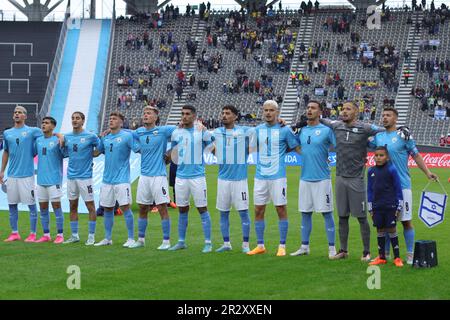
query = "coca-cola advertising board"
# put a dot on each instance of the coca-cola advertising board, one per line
(432, 160)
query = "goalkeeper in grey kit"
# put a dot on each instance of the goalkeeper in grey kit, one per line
(351, 156)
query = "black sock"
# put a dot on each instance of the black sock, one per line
(394, 242)
(381, 243)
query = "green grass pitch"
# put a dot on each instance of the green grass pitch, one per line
(39, 271)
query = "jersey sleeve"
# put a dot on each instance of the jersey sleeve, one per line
(369, 189)
(37, 132)
(101, 145)
(411, 147)
(133, 143)
(169, 130)
(332, 138)
(95, 140)
(291, 138)
(372, 129)
(5, 142)
(330, 123)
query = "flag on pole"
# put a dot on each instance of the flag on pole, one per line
(432, 207)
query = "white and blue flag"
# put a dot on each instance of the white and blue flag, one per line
(432, 208)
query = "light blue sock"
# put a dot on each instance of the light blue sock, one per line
(13, 217)
(182, 226)
(59, 220)
(283, 226)
(329, 227)
(409, 239)
(129, 220)
(165, 223)
(74, 227)
(109, 223)
(142, 227)
(245, 220)
(260, 225)
(306, 227)
(91, 226)
(225, 225)
(45, 220)
(33, 218)
(206, 224)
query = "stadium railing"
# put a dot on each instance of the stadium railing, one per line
(53, 78)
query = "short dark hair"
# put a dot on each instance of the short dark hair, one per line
(382, 148)
(317, 102)
(231, 108)
(189, 107)
(80, 113)
(391, 109)
(117, 114)
(52, 120)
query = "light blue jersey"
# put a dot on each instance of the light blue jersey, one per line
(272, 143)
(50, 161)
(79, 148)
(232, 152)
(315, 142)
(399, 152)
(117, 149)
(190, 145)
(153, 145)
(19, 143)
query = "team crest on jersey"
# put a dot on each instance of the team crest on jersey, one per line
(355, 130)
(51, 144)
(82, 140)
(318, 132)
(155, 132)
(373, 174)
(119, 140)
(394, 140)
(24, 134)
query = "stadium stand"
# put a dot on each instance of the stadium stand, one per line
(26, 52)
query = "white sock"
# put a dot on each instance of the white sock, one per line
(141, 240)
(245, 245)
(166, 242)
(227, 244)
(207, 241)
(305, 246)
(282, 246)
(261, 245)
(60, 234)
(75, 235)
(47, 235)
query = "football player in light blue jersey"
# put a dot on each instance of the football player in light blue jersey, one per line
(79, 146)
(399, 151)
(272, 141)
(18, 154)
(231, 150)
(152, 186)
(117, 146)
(315, 191)
(49, 179)
(188, 146)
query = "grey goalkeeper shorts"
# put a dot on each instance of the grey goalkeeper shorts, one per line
(351, 197)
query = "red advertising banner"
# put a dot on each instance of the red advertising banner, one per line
(432, 160)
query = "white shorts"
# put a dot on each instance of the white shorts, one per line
(315, 196)
(83, 187)
(406, 214)
(232, 193)
(21, 190)
(152, 189)
(185, 187)
(266, 190)
(110, 193)
(49, 193)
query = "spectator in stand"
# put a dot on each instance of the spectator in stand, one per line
(442, 141)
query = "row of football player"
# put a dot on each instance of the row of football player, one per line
(270, 181)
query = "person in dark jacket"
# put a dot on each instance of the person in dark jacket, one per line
(385, 202)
